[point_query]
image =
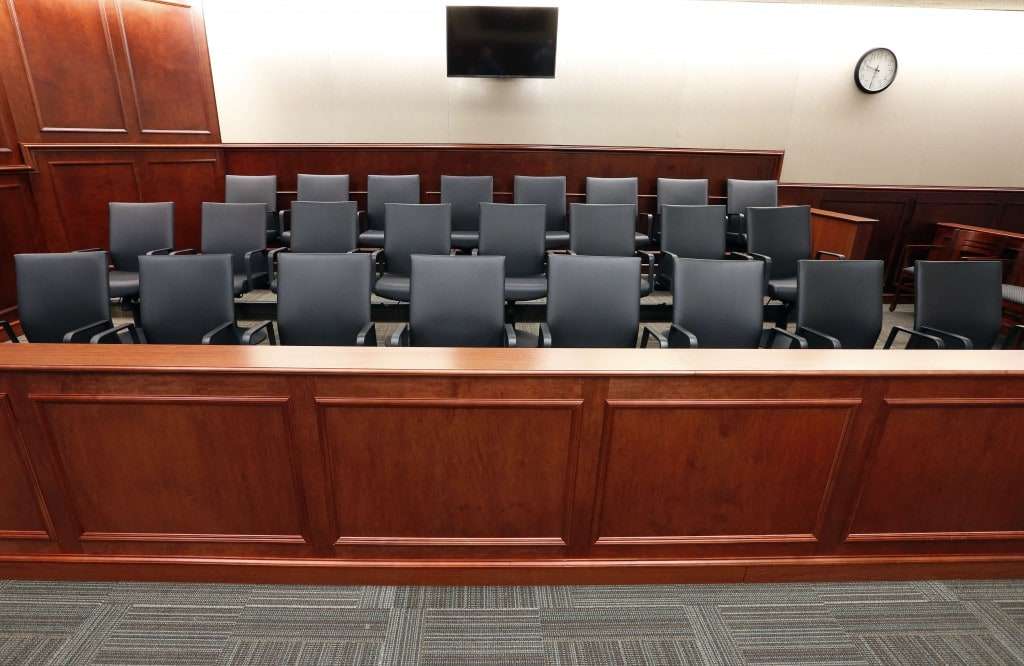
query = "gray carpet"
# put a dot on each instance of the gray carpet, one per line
(927, 622)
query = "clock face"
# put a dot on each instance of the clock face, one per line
(875, 71)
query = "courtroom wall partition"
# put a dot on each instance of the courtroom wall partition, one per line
(475, 466)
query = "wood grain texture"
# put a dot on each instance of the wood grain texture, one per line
(23, 515)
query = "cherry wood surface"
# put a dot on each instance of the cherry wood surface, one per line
(508, 466)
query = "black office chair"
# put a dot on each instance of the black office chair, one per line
(780, 237)
(621, 191)
(315, 187)
(412, 229)
(63, 297)
(550, 191)
(592, 302)
(516, 232)
(465, 194)
(321, 227)
(606, 230)
(718, 304)
(679, 192)
(188, 300)
(690, 231)
(839, 305)
(475, 318)
(236, 229)
(744, 194)
(324, 300)
(957, 305)
(256, 189)
(380, 191)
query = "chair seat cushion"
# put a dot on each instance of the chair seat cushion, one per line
(1013, 293)
(372, 238)
(783, 289)
(556, 240)
(238, 284)
(123, 283)
(395, 287)
(465, 240)
(526, 288)
(642, 241)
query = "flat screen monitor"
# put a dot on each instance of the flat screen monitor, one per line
(502, 41)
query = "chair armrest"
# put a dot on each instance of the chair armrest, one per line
(808, 332)
(400, 338)
(825, 253)
(367, 336)
(681, 338)
(111, 337)
(767, 267)
(272, 259)
(9, 331)
(225, 334)
(284, 216)
(251, 332)
(510, 335)
(162, 250)
(1013, 337)
(90, 249)
(361, 220)
(735, 254)
(646, 335)
(185, 251)
(647, 220)
(793, 338)
(948, 337)
(544, 339)
(250, 273)
(895, 330)
(907, 249)
(96, 326)
(649, 256)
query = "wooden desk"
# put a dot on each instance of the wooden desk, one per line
(508, 466)
(838, 232)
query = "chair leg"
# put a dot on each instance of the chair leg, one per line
(899, 290)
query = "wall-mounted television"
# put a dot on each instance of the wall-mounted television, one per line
(502, 41)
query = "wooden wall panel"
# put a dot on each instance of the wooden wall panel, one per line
(18, 233)
(22, 515)
(188, 178)
(82, 190)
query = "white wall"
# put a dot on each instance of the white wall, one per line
(644, 72)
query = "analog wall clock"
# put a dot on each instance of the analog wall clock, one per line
(875, 71)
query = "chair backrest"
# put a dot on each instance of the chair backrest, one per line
(322, 187)
(593, 301)
(602, 229)
(382, 190)
(251, 189)
(962, 297)
(234, 229)
(842, 299)
(515, 231)
(465, 194)
(60, 292)
(682, 192)
(183, 298)
(324, 226)
(613, 191)
(137, 228)
(742, 194)
(784, 234)
(415, 229)
(323, 299)
(457, 301)
(720, 301)
(697, 232)
(547, 190)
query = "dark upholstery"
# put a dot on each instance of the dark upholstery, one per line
(784, 234)
(602, 229)
(412, 229)
(697, 232)
(465, 194)
(475, 318)
(123, 284)
(550, 191)
(323, 299)
(138, 228)
(324, 226)
(255, 189)
(236, 229)
(185, 297)
(960, 297)
(322, 187)
(720, 301)
(516, 232)
(743, 194)
(593, 301)
(618, 191)
(380, 191)
(682, 192)
(842, 299)
(61, 292)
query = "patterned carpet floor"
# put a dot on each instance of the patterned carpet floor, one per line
(926, 622)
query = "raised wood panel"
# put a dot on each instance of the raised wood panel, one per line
(166, 66)
(22, 516)
(717, 471)
(944, 469)
(18, 232)
(187, 179)
(82, 190)
(176, 470)
(9, 151)
(74, 88)
(392, 465)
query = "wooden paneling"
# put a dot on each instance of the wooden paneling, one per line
(18, 232)
(22, 516)
(188, 178)
(849, 235)
(82, 190)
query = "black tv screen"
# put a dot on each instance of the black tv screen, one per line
(502, 41)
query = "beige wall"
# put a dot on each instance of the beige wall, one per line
(644, 72)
